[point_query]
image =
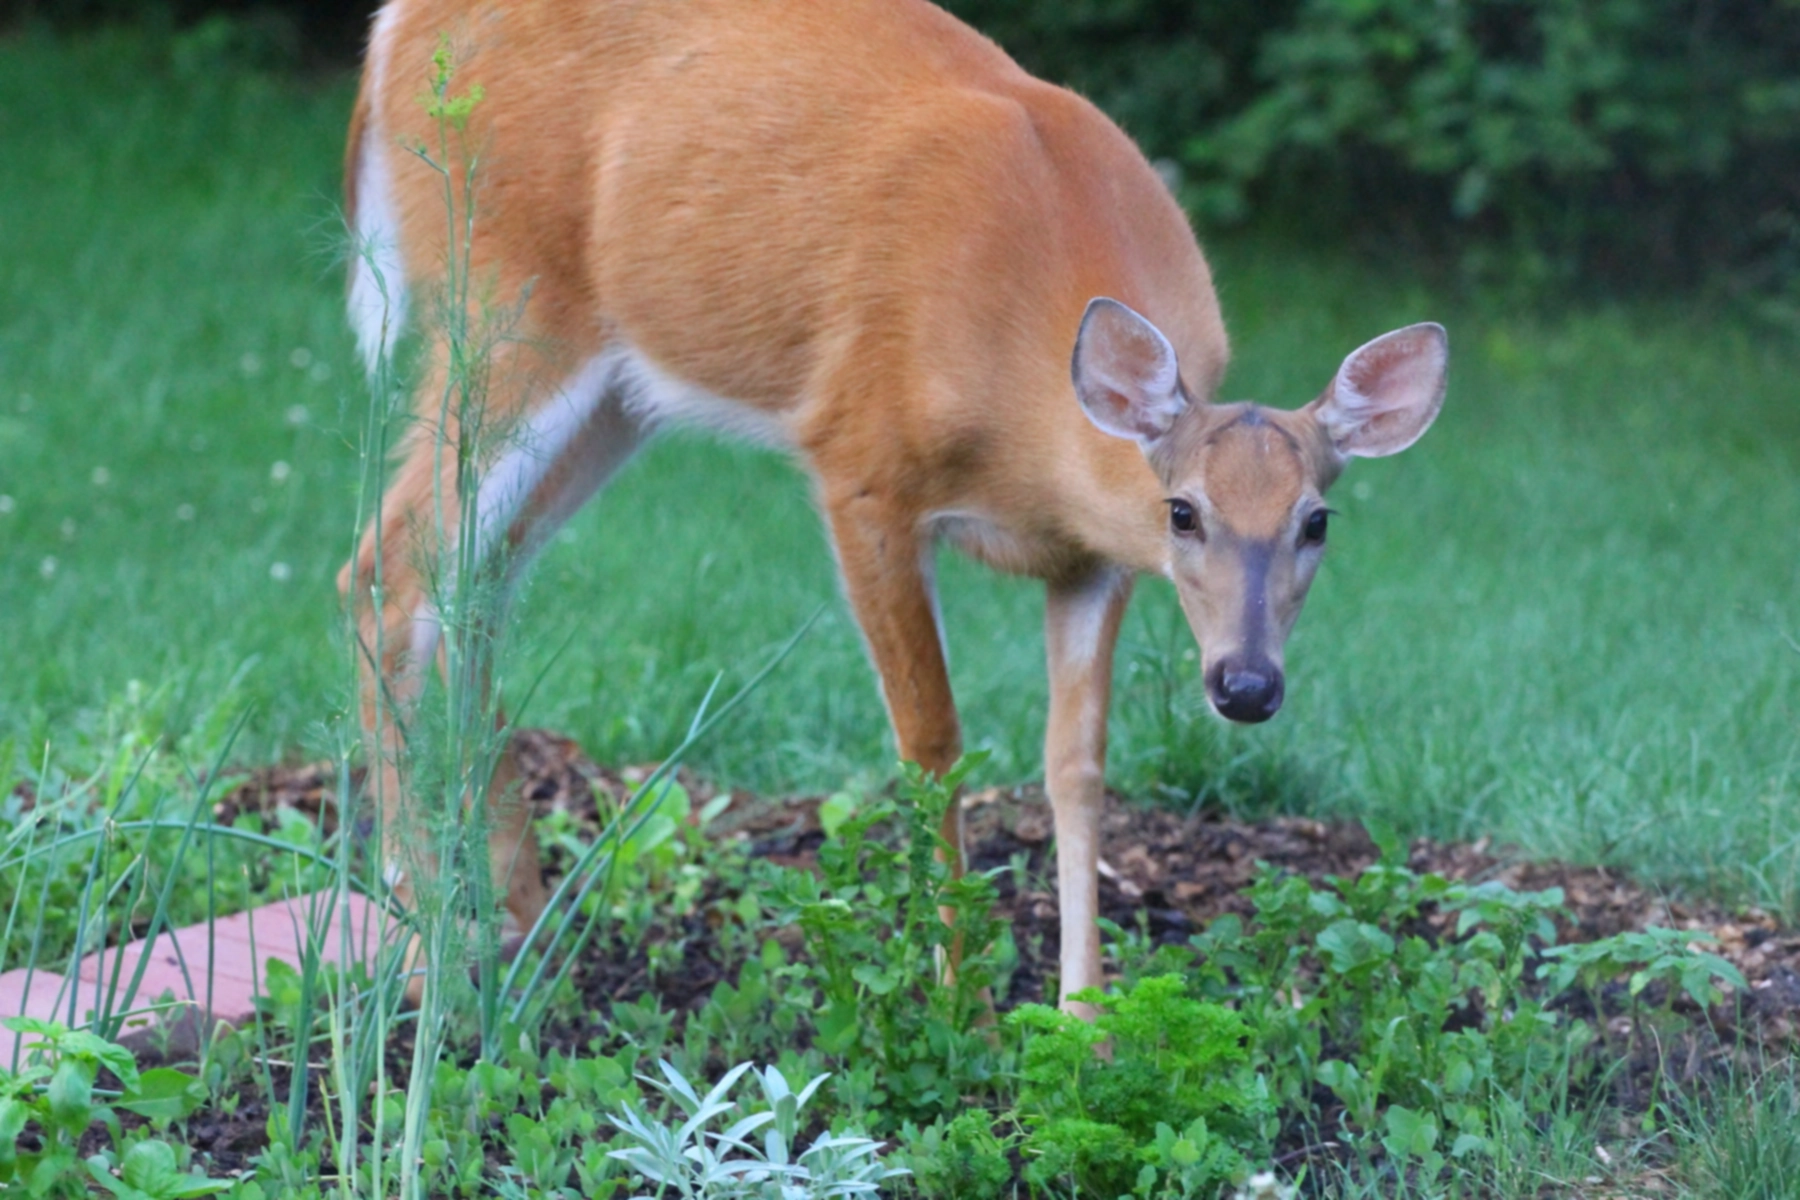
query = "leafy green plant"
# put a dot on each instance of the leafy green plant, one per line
(1416, 1035)
(523, 1124)
(148, 1171)
(1647, 957)
(1668, 956)
(762, 1014)
(879, 919)
(57, 1092)
(958, 1158)
(1168, 1109)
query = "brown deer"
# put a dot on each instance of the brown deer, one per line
(853, 229)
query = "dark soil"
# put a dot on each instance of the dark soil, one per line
(1168, 873)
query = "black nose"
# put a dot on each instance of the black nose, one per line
(1246, 691)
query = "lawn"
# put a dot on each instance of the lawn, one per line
(1564, 619)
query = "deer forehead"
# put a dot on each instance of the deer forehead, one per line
(1250, 469)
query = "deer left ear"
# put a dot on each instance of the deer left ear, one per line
(1387, 393)
(1125, 373)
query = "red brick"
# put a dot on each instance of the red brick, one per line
(277, 931)
(40, 1001)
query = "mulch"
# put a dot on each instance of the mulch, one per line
(1175, 872)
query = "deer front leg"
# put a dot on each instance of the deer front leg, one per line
(1081, 627)
(887, 577)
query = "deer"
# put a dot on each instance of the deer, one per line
(960, 297)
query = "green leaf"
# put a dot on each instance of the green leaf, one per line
(164, 1094)
(834, 810)
(1468, 1143)
(837, 1027)
(56, 1166)
(874, 978)
(101, 1170)
(14, 1112)
(1352, 944)
(1458, 1075)
(148, 1172)
(71, 1096)
(150, 1167)
(38, 1025)
(1410, 1134)
(80, 1043)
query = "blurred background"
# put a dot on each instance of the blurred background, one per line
(1637, 140)
(1567, 618)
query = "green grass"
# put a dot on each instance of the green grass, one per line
(1563, 619)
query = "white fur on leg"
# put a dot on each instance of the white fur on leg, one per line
(1078, 626)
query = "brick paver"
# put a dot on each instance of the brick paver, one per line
(224, 965)
(41, 999)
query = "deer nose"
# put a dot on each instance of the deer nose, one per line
(1246, 690)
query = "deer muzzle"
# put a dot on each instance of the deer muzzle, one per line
(1245, 689)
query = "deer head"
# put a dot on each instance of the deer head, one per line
(1245, 484)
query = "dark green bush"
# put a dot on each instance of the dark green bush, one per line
(1550, 139)
(1634, 137)
(1164, 69)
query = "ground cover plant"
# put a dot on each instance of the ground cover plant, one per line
(1395, 1029)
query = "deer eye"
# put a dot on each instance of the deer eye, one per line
(1183, 518)
(1313, 533)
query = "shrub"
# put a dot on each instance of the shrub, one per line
(1628, 135)
(910, 1047)
(1166, 1114)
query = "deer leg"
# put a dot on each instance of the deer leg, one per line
(1081, 627)
(397, 639)
(607, 436)
(887, 576)
(545, 465)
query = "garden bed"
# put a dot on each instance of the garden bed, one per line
(1165, 874)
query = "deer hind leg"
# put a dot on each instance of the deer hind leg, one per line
(1081, 627)
(549, 462)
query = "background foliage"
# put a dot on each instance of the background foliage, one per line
(1539, 140)
(1628, 137)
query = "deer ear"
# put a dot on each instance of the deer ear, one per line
(1125, 373)
(1387, 393)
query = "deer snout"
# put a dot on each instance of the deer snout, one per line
(1248, 690)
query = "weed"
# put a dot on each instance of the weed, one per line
(878, 919)
(1741, 1140)
(1668, 956)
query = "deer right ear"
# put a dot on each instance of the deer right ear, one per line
(1125, 373)
(1387, 393)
